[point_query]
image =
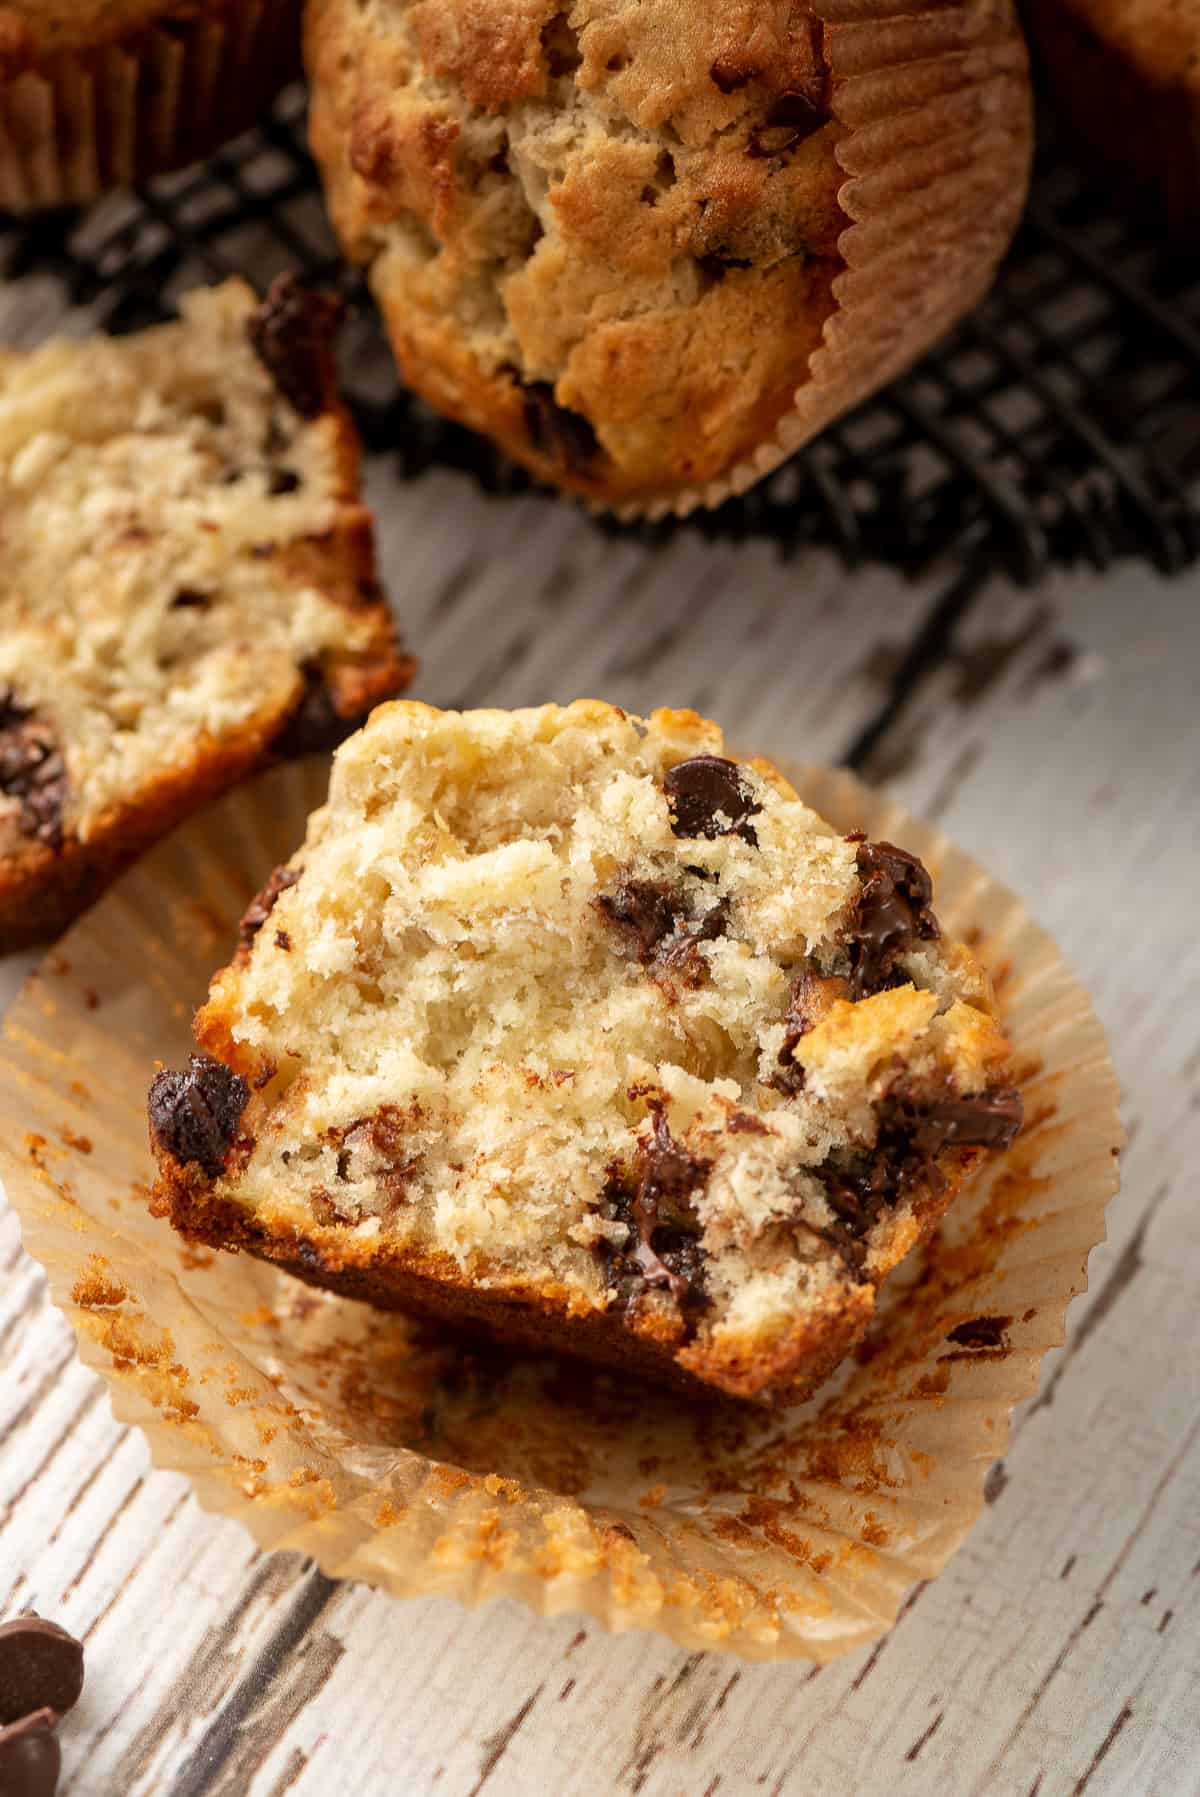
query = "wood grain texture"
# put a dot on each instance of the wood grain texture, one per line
(1057, 738)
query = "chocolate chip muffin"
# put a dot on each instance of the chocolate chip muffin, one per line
(100, 93)
(564, 1025)
(616, 234)
(187, 583)
(1125, 80)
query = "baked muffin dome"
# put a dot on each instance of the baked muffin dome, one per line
(607, 233)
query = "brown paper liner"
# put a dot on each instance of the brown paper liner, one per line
(937, 109)
(393, 1454)
(77, 124)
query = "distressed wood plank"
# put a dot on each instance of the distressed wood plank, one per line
(1058, 741)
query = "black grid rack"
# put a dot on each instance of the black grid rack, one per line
(1060, 425)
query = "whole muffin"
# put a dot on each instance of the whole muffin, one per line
(1125, 79)
(615, 235)
(100, 93)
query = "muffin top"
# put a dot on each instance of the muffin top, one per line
(605, 233)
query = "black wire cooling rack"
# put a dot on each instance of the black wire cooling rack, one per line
(1059, 425)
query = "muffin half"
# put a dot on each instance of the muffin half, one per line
(187, 583)
(564, 1025)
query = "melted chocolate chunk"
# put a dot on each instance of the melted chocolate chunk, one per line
(791, 119)
(291, 333)
(655, 1201)
(315, 726)
(646, 908)
(707, 798)
(191, 599)
(41, 1668)
(30, 1758)
(12, 712)
(810, 999)
(194, 1116)
(32, 770)
(985, 1120)
(262, 905)
(282, 480)
(891, 915)
(982, 1332)
(729, 74)
(555, 432)
(914, 1129)
(652, 912)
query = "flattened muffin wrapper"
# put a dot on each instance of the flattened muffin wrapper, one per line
(79, 123)
(397, 1455)
(936, 104)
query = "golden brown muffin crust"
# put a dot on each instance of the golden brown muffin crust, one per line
(604, 233)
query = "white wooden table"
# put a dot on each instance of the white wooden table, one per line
(1058, 738)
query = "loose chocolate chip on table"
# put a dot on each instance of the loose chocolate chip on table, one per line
(555, 432)
(41, 1667)
(707, 797)
(30, 1759)
(194, 1115)
(891, 914)
(291, 333)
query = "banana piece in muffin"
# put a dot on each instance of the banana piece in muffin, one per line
(607, 233)
(187, 582)
(566, 1026)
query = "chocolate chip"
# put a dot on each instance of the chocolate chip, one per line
(315, 726)
(983, 1120)
(915, 1128)
(707, 797)
(291, 333)
(30, 1757)
(891, 915)
(791, 119)
(282, 480)
(191, 599)
(982, 1332)
(646, 908)
(41, 1667)
(194, 1116)
(283, 941)
(32, 770)
(653, 913)
(562, 436)
(811, 997)
(728, 74)
(655, 1202)
(12, 712)
(262, 905)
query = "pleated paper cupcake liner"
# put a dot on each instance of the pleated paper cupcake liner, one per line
(79, 123)
(393, 1454)
(936, 105)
